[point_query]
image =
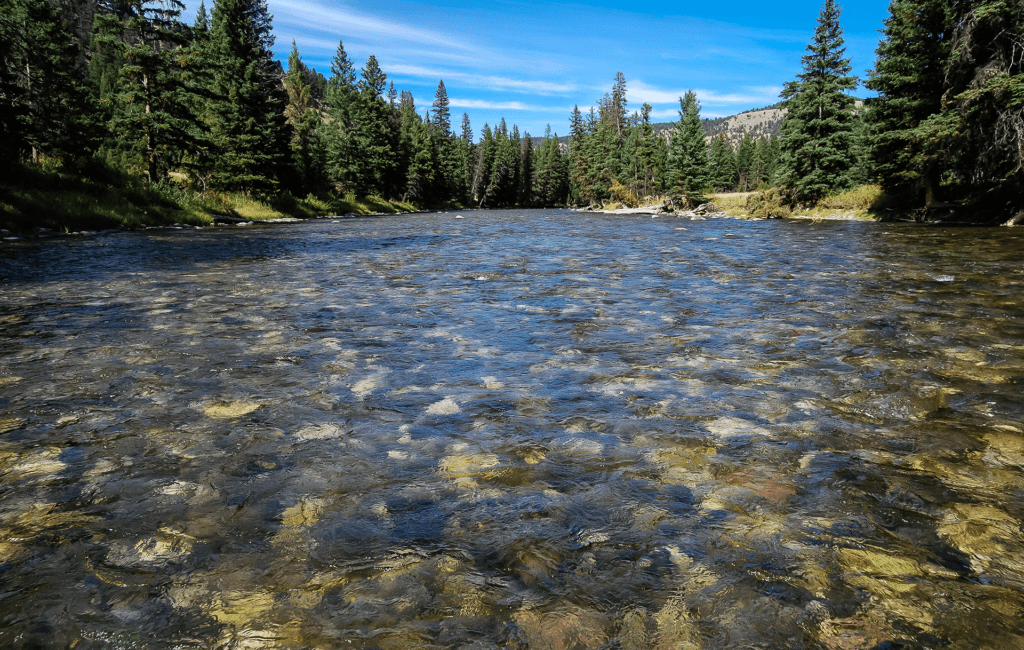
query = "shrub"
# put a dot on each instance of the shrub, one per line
(623, 195)
(768, 204)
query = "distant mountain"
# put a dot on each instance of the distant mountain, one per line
(758, 122)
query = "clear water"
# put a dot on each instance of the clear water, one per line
(523, 429)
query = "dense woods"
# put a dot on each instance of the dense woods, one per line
(208, 107)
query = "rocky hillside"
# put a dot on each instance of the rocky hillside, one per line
(758, 122)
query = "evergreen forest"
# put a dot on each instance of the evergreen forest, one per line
(131, 94)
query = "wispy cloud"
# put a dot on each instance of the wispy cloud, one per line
(639, 92)
(499, 106)
(490, 82)
(345, 21)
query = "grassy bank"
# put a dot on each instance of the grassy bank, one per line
(867, 203)
(93, 196)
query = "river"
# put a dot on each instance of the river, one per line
(522, 429)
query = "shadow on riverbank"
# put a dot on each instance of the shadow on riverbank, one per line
(91, 195)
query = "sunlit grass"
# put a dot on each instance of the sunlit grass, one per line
(863, 202)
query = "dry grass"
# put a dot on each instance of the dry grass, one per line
(733, 204)
(857, 203)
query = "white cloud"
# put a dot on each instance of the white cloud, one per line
(498, 106)
(490, 82)
(345, 21)
(638, 92)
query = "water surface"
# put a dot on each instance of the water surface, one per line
(523, 429)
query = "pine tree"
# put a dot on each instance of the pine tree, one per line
(760, 154)
(339, 139)
(550, 178)
(688, 167)
(248, 129)
(524, 175)
(773, 161)
(909, 78)
(45, 107)
(375, 160)
(723, 165)
(306, 153)
(978, 135)
(616, 108)
(484, 166)
(647, 163)
(502, 186)
(150, 116)
(465, 161)
(392, 95)
(198, 64)
(422, 174)
(578, 163)
(202, 21)
(817, 131)
(442, 116)
(746, 164)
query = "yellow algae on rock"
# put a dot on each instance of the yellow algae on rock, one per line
(304, 513)
(319, 432)
(729, 427)
(533, 457)
(1006, 446)
(633, 633)
(562, 630)
(464, 469)
(675, 627)
(10, 424)
(447, 406)
(988, 535)
(463, 464)
(860, 632)
(168, 545)
(241, 608)
(230, 410)
(41, 462)
(877, 564)
(7, 381)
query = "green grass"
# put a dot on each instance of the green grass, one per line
(95, 196)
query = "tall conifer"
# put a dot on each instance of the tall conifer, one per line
(909, 78)
(248, 127)
(723, 165)
(306, 152)
(45, 106)
(339, 138)
(688, 167)
(375, 159)
(817, 131)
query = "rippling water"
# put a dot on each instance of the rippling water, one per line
(518, 429)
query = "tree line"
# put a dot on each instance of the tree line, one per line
(209, 103)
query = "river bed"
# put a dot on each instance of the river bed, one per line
(521, 429)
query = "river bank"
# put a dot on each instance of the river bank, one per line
(92, 198)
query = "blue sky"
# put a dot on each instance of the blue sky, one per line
(532, 61)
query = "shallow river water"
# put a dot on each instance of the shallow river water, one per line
(522, 429)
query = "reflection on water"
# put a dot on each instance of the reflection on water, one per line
(519, 429)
